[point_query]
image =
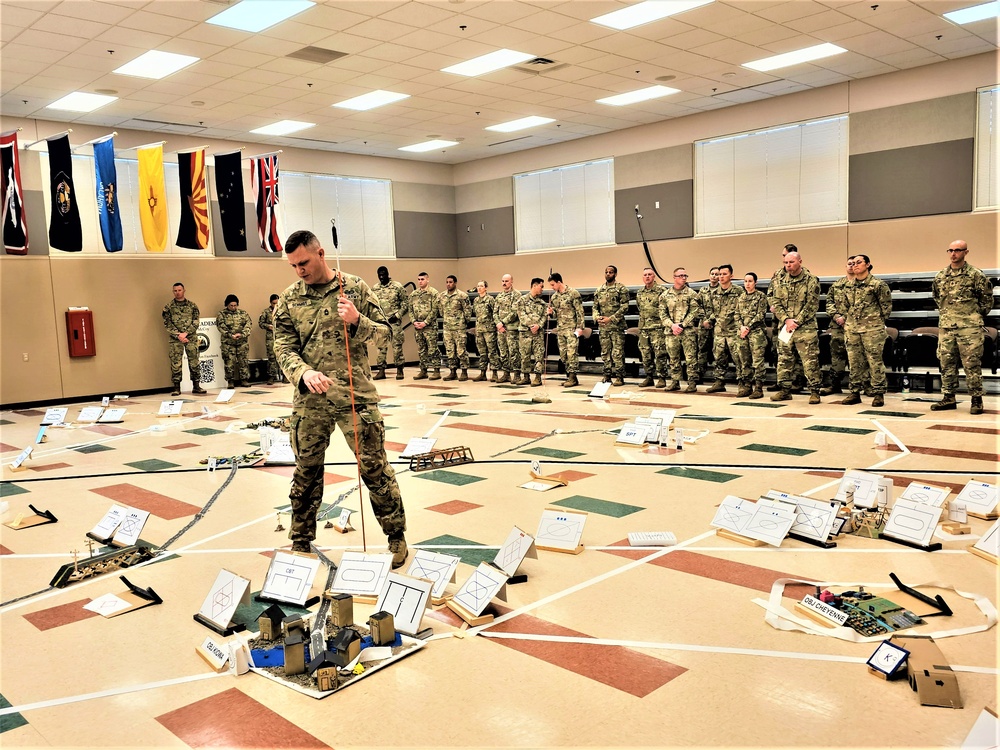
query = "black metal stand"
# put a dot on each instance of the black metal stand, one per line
(224, 632)
(815, 542)
(933, 547)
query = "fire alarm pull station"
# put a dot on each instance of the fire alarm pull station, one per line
(80, 332)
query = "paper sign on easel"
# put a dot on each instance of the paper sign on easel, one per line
(479, 588)
(227, 593)
(561, 530)
(653, 427)
(436, 567)
(290, 577)
(405, 598)
(55, 415)
(130, 528)
(666, 417)
(516, 547)
(112, 416)
(913, 522)
(42, 437)
(733, 514)
(170, 408)
(600, 390)
(360, 574)
(105, 528)
(112, 605)
(632, 434)
(90, 414)
(21, 458)
(980, 499)
(540, 482)
(927, 494)
(988, 546)
(417, 446)
(225, 395)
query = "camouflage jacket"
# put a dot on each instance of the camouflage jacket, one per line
(648, 302)
(424, 306)
(231, 323)
(796, 298)
(725, 302)
(266, 323)
(455, 309)
(484, 308)
(751, 309)
(707, 302)
(309, 335)
(532, 311)
(181, 317)
(508, 304)
(964, 297)
(568, 308)
(864, 305)
(393, 299)
(681, 308)
(833, 298)
(611, 301)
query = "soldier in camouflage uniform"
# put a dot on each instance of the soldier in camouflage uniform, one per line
(532, 315)
(508, 329)
(964, 297)
(652, 342)
(265, 321)
(424, 309)
(234, 327)
(321, 320)
(457, 313)
(798, 376)
(610, 307)
(725, 298)
(706, 326)
(567, 305)
(838, 341)
(484, 307)
(861, 308)
(680, 310)
(795, 301)
(750, 313)
(181, 318)
(392, 296)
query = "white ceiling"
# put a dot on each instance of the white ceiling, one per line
(244, 81)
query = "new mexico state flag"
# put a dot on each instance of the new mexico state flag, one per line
(152, 199)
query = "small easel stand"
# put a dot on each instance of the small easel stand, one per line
(734, 537)
(18, 463)
(474, 621)
(985, 555)
(39, 518)
(815, 542)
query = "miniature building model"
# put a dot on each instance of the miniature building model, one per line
(292, 623)
(346, 645)
(295, 653)
(383, 629)
(269, 622)
(324, 669)
(341, 611)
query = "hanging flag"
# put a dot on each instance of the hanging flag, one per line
(264, 178)
(107, 194)
(229, 188)
(192, 232)
(15, 233)
(65, 231)
(152, 199)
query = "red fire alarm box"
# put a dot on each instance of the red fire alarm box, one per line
(80, 333)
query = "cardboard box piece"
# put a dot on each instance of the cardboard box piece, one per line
(929, 673)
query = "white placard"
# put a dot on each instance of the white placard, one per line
(518, 545)
(290, 577)
(405, 598)
(130, 528)
(225, 395)
(56, 415)
(41, 437)
(170, 408)
(417, 446)
(435, 567)
(116, 414)
(887, 657)
(480, 587)
(107, 605)
(990, 542)
(912, 521)
(813, 518)
(22, 457)
(600, 390)
(632, 434)
(280, 454)
(828, 612)
(979, 497)
(217, 654)
(652, 539)
(770, 521)
(227, 593)
(362, 575)
(865, 486)
(666, 416)
(733, 514)
(90, 414)
(561, 529)
(105, 528)
(105, 401)
(120, 397)
(925, 493)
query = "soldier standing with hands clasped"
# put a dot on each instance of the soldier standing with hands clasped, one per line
(181, 318)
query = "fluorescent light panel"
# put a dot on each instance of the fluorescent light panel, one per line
(975, 13)
(80, 101)
(284, 127)
(524, 122)
(653, 92)
(155, 64)
(428, 146)
(808, 54)
(371, 100)
(477, 66)
(257, 15)
(647, 12)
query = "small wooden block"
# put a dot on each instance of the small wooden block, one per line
(734, 537)
(813, 615)
(470, 619)
(575, 551)
(985, 555)
(365, 599)
(985, 516)
(955, 527)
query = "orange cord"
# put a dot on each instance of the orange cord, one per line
(354, 417)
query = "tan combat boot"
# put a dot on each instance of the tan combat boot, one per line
(422, 375)
(481, 376)
(379, 374)
(536, 380)
(465, 376)
(451, 375)
(571, 381)
(947, 403)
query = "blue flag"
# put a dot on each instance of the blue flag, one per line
(107, 195)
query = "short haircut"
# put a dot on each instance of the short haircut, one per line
(300, 238)
(422, 273)
(484, 282)
(177, 283)
(272, 298)
(868, 261)
(380, 269)
(727, 265)
(713, 268)
(232, 298)
(613, 268)
(791, 248)
(751, 273)
(556, 277)
(451, 277)
(536, 280)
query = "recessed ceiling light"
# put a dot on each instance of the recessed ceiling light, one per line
(975, 13)
(257, 15)
(647, 12)
(808, 54)
(524, 122)
(371, 100)
(107, 92)
(284, 127)
(80, 101)
(653, 92)
(155, 64)
(502, 58)
(428, 146)
(664, 79)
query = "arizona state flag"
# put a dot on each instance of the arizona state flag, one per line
(193, 230)
(152, 199)
(264, 178)
(15, 233)
(65, 231)
(229, 189)
(107, 194)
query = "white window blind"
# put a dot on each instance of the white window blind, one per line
(780, 177)
(571, 206)
(988, 148)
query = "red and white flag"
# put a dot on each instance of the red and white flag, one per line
(15, 233)
(264, 181)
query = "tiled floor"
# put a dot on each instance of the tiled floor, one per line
(612, 647)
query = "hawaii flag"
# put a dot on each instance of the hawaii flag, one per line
(152, 199)
(15, 233)
(264, 179)
(193, 230)
(65, 230)
(107, 194)
(229, 189)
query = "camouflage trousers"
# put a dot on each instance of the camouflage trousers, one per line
(804, 343)
(486, 345)
(798, 374)
(613, 351)
(313, 421)
(396, 338)
(569, 347)
(653, 350)
(273, 371)
(727, 346)
(963, 345)
(235, 356)
(752, 350)
(706, 343)
(838, 352)
(455, 353)
(532, 352)
(427, 348)
(176, 352)
(864, 351)
(509, 346)
(688, 342)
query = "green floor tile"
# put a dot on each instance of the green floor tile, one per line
(93, 448)
(469, 556)
(203, 431)
(388, 406)
(255, 393)
(10, 721)
(598, 506)
(845, 430)
(453, 413)
(702, 418)
(524, 401)
(884, 413)
(447, 395)
(5, 421)
(759, 404)
(703, 474)
(9, 490)
(782, 449)
(448, 477)
(552, 453)
(151, 464)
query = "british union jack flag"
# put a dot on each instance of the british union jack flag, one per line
(264, 180)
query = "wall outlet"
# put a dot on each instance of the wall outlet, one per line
(657, 205)
(25, 356)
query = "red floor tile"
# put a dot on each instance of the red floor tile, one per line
(108, 429)
(180, 446)
(453, 507)
(64, 614)
(157, 504)
(733, 431)
(280, 403)
(29, 412)
(395, 447)
(235, 720)
(219, 418)
(49, 467)
(963, 428)
(450, 403)
(4, 448)
(792, 415)
(288, 471)
(927, 450)
(660, 450)
(5, 551)
(430, 386)
(495, 430)
(571, 475)
(585, 417)
(660, 405)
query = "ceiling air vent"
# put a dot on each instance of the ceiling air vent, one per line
(540, 65)
(316, 55)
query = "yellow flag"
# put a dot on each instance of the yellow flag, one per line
(152, 199)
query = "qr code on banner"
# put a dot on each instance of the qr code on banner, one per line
(207, 370)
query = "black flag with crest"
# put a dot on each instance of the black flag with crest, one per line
(232, 212)
(65, 232)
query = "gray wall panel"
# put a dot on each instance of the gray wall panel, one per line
(37, 222)
(674, 218)
(424, 235)
(915, 181)
(489, 232)
(654, 167)
(950, 118)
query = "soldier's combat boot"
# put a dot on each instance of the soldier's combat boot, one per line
(692, 387)
(481, 376)
(646, 383)
(229, 384)
(719, 386)
(743, 391)
(674, 385)
(618, 381)
(781, 395)
(397, 546)
(661, 383)
(977, 405)
(814, 397)
(494, 378)
(521, 378)
(435, 375)
(504, 377)
(946, 403)
(571, 381)
(422, 375)
(197, 389)
(536, 380)
(854, 398)
(465, 375)
(176, 390)
(607, 379)
(773, 388)
(452, 374)
(878, 400)
(379, 374)
(757, 391)
(834, 387)
(301, 546)
(399, 372)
